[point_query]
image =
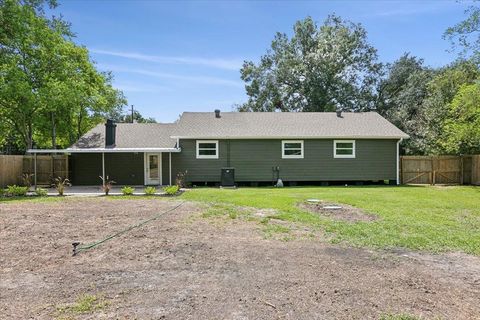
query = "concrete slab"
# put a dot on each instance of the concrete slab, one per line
(97, 191)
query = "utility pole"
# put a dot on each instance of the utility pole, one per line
(132, 112)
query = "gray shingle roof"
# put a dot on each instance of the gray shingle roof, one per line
(130, 135)
(286, 125)
(243, 125)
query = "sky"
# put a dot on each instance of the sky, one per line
(170, 57)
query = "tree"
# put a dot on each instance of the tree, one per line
(401, 95)
(442, 90)
(466, 34)
(119, 115)
(50, 90)
(462, 127)
(318, 69)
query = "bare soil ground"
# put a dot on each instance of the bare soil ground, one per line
(183, 266)
(344, 211)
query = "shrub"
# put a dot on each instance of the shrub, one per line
(41, 192)
(27, 179)
(180, 181)
(127, 191)
(107, 184)
(2, 192)
(16, 191)
(150, 191)
(60, 184)
(171, 190)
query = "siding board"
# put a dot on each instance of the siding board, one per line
(253, 161)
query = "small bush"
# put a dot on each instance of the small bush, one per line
(41, 192)
(2, 192)
(16, 191)
(127, 190)
(171, 190)
(180, 181)
(60, 183)
(107, 184)
(27, 179)
(150, 191)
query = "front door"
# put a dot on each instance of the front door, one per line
(153, 168)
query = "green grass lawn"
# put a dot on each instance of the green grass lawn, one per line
(423, 218)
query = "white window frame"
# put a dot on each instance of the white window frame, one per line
(199, 156)
(335, 155)
(292, 156)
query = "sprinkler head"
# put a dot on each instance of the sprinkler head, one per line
(75, 245)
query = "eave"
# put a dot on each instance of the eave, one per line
(104, 150)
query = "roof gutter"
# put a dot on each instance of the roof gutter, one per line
(291, 137)
(103, 150)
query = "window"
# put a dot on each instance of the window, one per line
(207, 149)
(292, 149)
(344, 149)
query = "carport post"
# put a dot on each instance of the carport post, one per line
(170, 168)
(35, 169)
(103, 168)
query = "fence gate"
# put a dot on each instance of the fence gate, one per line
(440, 169)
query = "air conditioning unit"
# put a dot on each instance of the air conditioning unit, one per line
(227, 177)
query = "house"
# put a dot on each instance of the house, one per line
(258, 146)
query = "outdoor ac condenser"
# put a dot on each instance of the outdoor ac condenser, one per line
(228, 177)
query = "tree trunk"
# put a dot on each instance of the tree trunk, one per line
(29, 137)
(54, 131)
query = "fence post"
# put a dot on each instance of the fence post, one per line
(432, 171)
(35, 168)
(461, 169)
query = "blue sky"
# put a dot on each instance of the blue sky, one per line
(170, 57)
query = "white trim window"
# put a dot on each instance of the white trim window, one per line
(344, 148)
(207, 149)
(292, 149)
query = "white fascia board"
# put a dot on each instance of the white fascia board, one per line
(103, 150)
(290, 137)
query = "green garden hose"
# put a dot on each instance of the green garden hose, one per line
(76, 245)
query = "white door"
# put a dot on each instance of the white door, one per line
(153, 168)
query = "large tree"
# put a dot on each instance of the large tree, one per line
(465, 35)
(320, 68)
(461, 129)
(400, 99)
(125, 116)
(442, 90)
(50, 91)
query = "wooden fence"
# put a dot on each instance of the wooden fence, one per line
(440, 169)
(48, 168)
(11, 169)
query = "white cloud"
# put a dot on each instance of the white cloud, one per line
(203, 80)
(132, 87)
(227, 64)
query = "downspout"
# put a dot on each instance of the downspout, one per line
(398, 160)
(170, 168)
(228, 153)
(103, 168)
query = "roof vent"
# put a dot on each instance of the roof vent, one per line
(217, 113)
(339, 113)
(110, 129)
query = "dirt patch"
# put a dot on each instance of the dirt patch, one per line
(337, 211)
(182, 268)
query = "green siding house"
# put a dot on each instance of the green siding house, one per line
(257, 147)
